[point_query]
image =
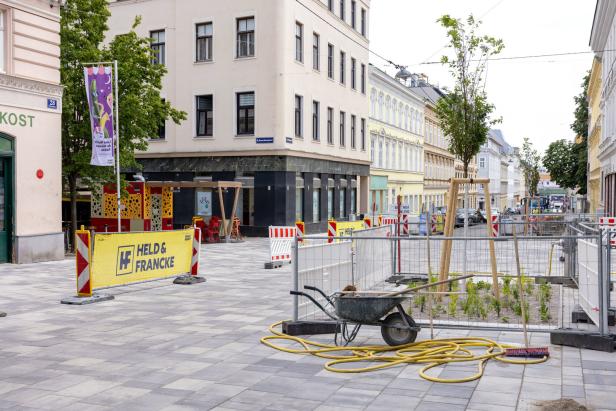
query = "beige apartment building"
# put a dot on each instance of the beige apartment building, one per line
(594, 138)
(276, 96)
(30, 132)
(439, 163)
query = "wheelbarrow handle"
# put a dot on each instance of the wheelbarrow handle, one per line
(315, 302)
(318, 290)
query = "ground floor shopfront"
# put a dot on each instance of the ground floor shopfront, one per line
(30, 171)
(276, 190)
(385, 189)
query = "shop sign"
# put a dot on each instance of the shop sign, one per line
(13, 119)
(204, 203)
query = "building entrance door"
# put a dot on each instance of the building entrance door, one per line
(6, 198)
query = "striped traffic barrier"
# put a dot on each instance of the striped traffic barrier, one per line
(300, 228)
(495, 226)
(331, 230)
(608, 224)
(367, 223)
(380, 220)
(405, 224)
(194, 263)
(433, 222)
(281, 239)
(83, 256)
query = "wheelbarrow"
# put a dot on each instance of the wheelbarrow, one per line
(397, 328)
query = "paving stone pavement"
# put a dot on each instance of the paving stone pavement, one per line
(160, 346)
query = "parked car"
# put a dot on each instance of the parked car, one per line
(473, 218)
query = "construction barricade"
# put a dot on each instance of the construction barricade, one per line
(346, 228)
(495, 226)
(331, 230)
(280, 239)
(367, 223)
(301, 231)
(119, 259)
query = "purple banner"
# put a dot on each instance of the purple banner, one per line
(99, 89)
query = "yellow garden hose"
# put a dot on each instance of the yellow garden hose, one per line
(433, 353)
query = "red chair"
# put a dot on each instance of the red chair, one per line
(212, 231)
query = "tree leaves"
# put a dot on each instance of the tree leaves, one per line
(464, 113)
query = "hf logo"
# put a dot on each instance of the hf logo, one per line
(126, 260)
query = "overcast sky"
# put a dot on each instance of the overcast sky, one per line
(533, 96)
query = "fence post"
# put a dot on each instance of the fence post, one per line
(295, 279)
(600, 269)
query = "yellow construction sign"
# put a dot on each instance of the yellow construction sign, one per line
(125, 258)
(346, 228)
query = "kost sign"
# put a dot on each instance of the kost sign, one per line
(13, 119)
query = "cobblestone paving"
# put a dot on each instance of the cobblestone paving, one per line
(160, 346)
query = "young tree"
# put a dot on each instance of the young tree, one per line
(141, 110)
(529, 160)
(464, 113)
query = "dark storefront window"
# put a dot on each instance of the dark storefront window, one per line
(316, 205)
(342, 211)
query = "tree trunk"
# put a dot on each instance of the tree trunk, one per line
(466, 169)
(72, 187)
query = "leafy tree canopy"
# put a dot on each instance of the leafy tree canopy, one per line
(464, 113)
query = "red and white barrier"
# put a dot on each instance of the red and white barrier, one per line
(300, 228)
(331, 231)
(281, 239)
(608, 223)
(433, 223)
(196, 252)
(367, 223)
(495, 226)
(389, 220)
(405, 224)
(83, 256)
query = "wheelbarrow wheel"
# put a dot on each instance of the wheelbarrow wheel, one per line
(395, 332)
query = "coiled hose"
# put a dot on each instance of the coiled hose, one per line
(433, 353)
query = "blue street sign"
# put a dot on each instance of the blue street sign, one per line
(265, 140)
(52, 103)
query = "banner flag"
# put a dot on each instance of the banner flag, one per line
(99, 89)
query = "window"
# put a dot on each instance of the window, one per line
(2, 36)
(299, 42)
(482, 162)
(330, 125)
(372, 147)
(204, 42)
(162, 130)
(330, 203)
(316, 46)
(330, 5)
(353, 74)
(353, 12)
(158, 46)
(342, 9)
(363, 79)
(363, 135)
(205, 116)
(299, 204)
(342, 203)
(245, 113)
(342, 67)
(246, 37)
(298, 115)
(330, 61)
(353, 120)
(316, 205)
(315, 121)
(342, 127)
(363, 22)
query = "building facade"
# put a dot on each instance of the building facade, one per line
(396, 144)
(603, 43)
(276, 96)
(490, 159)
(439, 163)
(30, 132)
(472, 189)
(594, 137)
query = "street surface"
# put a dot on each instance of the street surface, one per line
(160, 346)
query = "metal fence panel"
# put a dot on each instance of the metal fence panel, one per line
(588, 278)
